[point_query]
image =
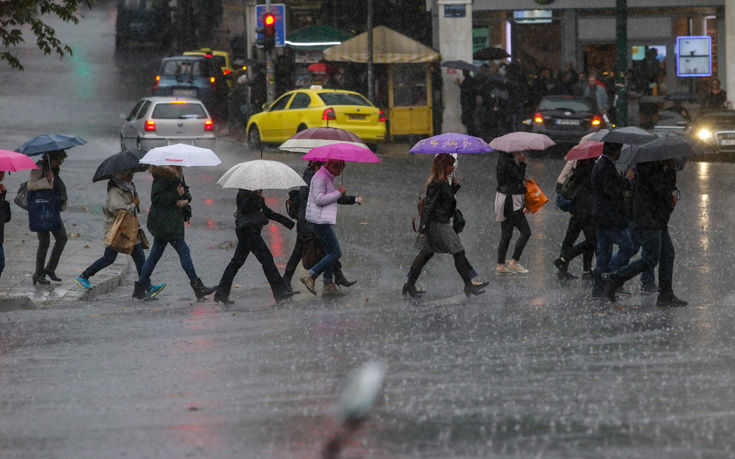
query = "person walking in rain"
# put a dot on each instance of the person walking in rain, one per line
(169, 197)
(251, 215)
(46, 177)
(436, 234)
(121, 195)
(609, 191)
(596, 92)
(510, 210)
(321, 212)
(654, 199)
(4, 218)
(467, 101)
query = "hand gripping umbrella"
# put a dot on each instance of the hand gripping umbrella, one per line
(261, 174)
(12, 161)
(180, 154)
(304, 141)
(119, 162)
(49, 142)
(521, 141)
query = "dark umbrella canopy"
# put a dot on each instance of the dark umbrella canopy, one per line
(681, 96)
(461, 65)
(49, 142)
(667, 145)
(119, 162)
(490, 53)
(630, 135)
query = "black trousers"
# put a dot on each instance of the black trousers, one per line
(251, 241)
(570, 250)
(461, 264)
(44, 240)
(514, 220)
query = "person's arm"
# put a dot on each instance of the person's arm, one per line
(432, 197)
(275, 216)
(163, 195)
(347, 199)
(319, 191)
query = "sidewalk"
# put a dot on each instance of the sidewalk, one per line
(16, 285)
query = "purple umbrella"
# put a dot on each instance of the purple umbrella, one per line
(451, 142)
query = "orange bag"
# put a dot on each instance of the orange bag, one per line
(535, 197)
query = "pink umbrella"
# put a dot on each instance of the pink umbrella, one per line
(304, 141)
(12, 161)
(521, 141)
(343, 151)
(585, 150)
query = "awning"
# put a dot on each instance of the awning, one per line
(389, 47)
(315, 38)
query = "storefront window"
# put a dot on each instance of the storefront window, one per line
(409, 85)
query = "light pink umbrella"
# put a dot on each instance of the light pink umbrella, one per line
(12, 161)
(343, 151)
(521, 141)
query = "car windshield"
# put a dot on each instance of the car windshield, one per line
(574, 104)
(343, 98)
(178, 111)
(188, 68)
(718, 119)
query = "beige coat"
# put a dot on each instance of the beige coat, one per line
(118, 199)
(37, 180)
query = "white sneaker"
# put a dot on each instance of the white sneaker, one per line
(516, 267)
(503, 269)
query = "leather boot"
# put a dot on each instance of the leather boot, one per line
(139, 291)
(200, 290)
(222, 298)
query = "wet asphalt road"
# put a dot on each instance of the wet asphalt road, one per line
(531, 368)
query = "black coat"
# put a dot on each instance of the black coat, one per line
(252, 213)
(608, 193)
(440, 203)
(583, 201)
(4, 215)
(653, 195)
(511, 176)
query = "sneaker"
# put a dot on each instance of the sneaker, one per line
(670, 300)
(308, 281)
(82, 282)
(155, 290)
(516, 267)
(503, 269)
(649, 289)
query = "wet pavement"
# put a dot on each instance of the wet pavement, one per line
(532, 368)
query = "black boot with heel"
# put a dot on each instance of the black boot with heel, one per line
(200, 290)
(40, 279)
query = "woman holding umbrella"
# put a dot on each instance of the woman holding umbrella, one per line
(510, 209)
(436, 234)
(4, 218)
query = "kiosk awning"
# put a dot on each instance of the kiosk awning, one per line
(389, 47)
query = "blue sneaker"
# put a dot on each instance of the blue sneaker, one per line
(155, 290)
(82, 282)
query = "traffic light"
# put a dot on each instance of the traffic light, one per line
(268, 32)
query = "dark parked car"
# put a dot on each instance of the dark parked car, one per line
(193, 76)
(566, 119)
(715, 128)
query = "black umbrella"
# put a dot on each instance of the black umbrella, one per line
(490, 53)
(119, 162)
(666, 145)
(681, 96)
(49, 142)
(462, 65)
(630, 135)
(488, 81)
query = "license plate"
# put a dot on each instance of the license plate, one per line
(184, 92)
(353, 116)
(568, 122)
(727, 142)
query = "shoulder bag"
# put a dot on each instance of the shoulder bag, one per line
(21, 197)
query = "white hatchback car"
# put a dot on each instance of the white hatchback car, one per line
(158, 121)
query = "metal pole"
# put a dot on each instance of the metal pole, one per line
(270, 76)
(621, 64)
(370, 52)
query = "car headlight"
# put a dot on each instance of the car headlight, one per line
(704, 135)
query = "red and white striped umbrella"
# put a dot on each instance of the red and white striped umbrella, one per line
(304, 141)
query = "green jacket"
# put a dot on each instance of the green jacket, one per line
(165, 220)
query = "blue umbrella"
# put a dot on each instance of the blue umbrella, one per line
(451, 142)
(49, 142)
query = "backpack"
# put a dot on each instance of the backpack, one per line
(421, 208)
(292, 204)
(571, 186)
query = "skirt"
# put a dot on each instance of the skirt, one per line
(441, 238)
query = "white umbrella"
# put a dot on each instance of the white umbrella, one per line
(261, 174)
(180, 154)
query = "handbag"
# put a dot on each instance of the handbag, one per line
(458, 221)
(186, 213)
(313, 252)
(143, 239)
(21, 197)
(43, 211)
(124, 233)
(535, 197)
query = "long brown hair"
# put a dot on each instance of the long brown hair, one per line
(439, 169)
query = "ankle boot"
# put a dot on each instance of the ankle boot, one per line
(40, 279)
(200, 290)
(410, 288)
(344, 282)
(139, 291)
(52, 275)
(222, 298)
(470, 289)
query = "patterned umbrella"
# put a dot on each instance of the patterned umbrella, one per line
(341, 151)
(180, 154)
(521, 141)
(49, 142)
(451, 142)
(12, 161)
(304, 141)
(261, 174)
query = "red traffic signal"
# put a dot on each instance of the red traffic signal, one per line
(269, 25)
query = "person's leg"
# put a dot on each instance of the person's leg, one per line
(666, 263)
(574, 227)
(44, 240)
(265, 257)
(238, 259)
(138, 256)
(108, 258)
(506, 233)
(60, 239)
(650, 240)
(159, 245)
(415, 271)
(521, 223)
(328, 238)
(603, 253)
(2, 259)
(294, 259)
(626, 248)
(182, 248)
(590, 242)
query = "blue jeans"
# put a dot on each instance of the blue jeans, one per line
(109, 258)
(2, 259)
(328, 238)
(605, 260)
(650, 241)
(159, 245)
(665, 257)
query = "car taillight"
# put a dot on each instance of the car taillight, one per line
(596, 120)
(208, 125)
(150, 125)
(381, 116)
(328, 114)
(226, 71)
(538, 118)
(155, 85)
(212, 83)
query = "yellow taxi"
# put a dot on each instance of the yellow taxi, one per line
(302, 109)
(221, 59)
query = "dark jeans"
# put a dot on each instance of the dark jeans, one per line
(648, 277)
(605, 260)
(656, 246)
(251, 241)
(157, 251)
(2, 259)
(298, 253)
(514, 220)
(586, 248)
(326, 235)
(44, 240)
(109, 258)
